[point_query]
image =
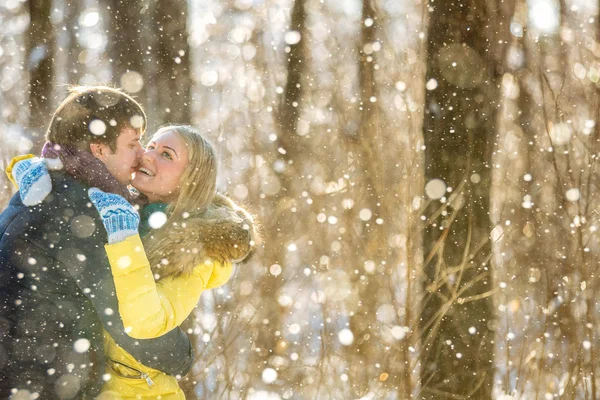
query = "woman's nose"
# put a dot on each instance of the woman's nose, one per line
(148, 156)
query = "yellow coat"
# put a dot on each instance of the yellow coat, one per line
(149, 309)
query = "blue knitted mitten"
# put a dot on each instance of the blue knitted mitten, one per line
(33, 179)
(119, 217)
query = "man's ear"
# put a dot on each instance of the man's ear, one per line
(99, 150)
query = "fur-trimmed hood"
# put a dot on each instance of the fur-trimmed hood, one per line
(224, 232)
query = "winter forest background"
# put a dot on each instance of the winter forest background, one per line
(426, 175)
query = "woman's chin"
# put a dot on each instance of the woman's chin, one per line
(141, 184)
(145, 189)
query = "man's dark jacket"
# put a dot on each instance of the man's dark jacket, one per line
(56, 295)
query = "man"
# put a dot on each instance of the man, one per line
(56, 288)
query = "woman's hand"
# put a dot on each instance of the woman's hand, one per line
(119, 217)
(32, 178)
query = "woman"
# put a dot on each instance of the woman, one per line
(193, 250)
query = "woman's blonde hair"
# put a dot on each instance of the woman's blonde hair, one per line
(197, 185)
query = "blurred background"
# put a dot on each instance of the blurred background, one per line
(425, 174)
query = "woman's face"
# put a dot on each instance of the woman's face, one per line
(161, 167)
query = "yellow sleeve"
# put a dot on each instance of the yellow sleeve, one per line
(183, 293)
(149, 309)
(11, 165)
(220, 274)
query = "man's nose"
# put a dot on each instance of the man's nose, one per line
(140, 151)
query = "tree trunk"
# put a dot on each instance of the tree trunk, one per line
(173, 81)
(281, 224)
(367, 191)
(461, 103)
(289, 109)
(40, 59)
(75, 68)
(127, 51)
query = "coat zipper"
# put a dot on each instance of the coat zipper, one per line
(142, 375)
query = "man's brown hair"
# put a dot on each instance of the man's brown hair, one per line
(95, 114)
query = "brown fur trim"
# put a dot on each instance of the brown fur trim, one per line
(224, 232)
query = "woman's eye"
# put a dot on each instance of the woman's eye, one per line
(167, 155)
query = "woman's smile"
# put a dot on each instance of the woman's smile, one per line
(145, 171)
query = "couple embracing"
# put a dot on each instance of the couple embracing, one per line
(92, 291)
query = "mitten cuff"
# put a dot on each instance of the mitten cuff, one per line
(119, 236)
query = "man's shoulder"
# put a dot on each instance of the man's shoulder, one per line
(11, 213)
(66, 193)
(69, 189)
(66, 211)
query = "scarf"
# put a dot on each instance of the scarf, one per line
(147, 211)
(86, 168)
